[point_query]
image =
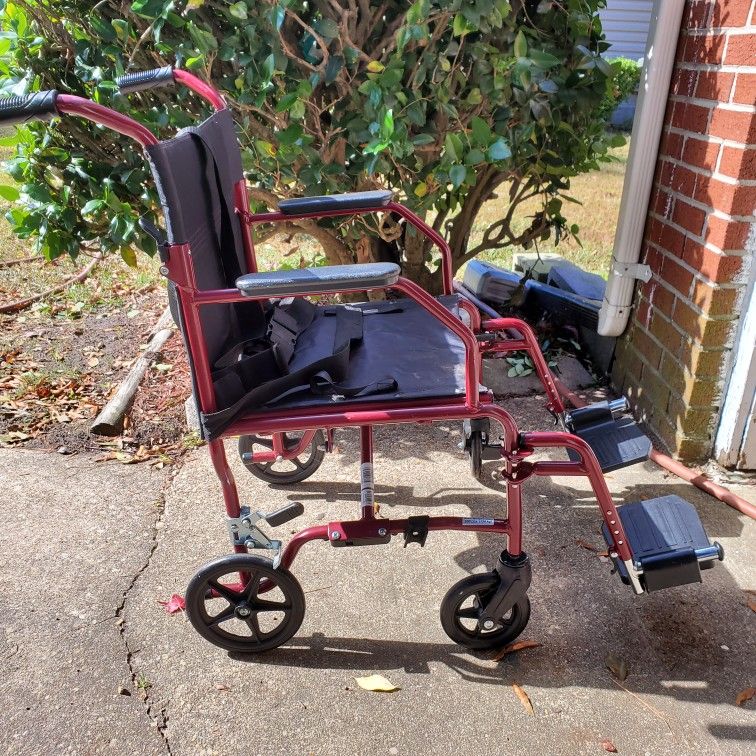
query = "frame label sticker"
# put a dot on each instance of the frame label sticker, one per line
(477, 521)
(367, 490)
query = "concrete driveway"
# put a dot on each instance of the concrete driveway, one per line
(89, 549)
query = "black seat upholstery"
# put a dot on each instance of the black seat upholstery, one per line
(399, 339)
(330, 278)
(326, 203)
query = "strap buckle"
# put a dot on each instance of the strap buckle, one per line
(416, 530)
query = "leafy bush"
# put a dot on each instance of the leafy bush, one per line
(445, 101)
(624, 81)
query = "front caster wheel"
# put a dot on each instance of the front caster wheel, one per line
(225, 605)
(462, 610)
(286, 471)
(475, 450)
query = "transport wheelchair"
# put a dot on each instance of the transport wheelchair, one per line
(282, 372)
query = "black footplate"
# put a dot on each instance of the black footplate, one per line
(616, 439)
(668, 542)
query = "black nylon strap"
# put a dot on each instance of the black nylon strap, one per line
(321, 384)
(216, 422)
(224, 219)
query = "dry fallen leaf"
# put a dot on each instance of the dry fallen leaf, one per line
(516, 646)
(376, 684)
(607, 745)
(616, 665)
(221, 686)
(745, 695)
(585, 545)
(524, 698)
(174, 605)
(752, 604)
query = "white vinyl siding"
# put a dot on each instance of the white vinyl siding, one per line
(625, 24)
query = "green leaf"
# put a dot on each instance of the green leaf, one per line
(197, 61)
(461, 26)
(481, 131)
(290, 134)
(9, 193)
(457, 175)
(327, 28)
(149, 8)
(286, 102)
(603, 66)
(12, 139)
(92, 206)
(453, 147)
(422, 139)
(387, 127)
(239, 10)
(474, 157)
(203, 40)
(520, 45)
(499, 150)
(543, 59)
(474, 97)
(617, 140)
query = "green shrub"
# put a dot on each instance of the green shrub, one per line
(624, 81)
(446, 101)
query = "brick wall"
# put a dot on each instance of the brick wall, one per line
(673, 360)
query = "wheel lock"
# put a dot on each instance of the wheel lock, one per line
(244, 531)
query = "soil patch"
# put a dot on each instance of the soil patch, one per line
(56, 373)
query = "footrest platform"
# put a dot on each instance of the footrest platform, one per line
(616, 443)
(667, 540)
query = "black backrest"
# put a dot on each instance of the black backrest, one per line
(195, 173)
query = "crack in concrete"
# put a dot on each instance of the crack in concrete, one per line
(139, 682)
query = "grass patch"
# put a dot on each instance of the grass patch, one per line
(598, 191)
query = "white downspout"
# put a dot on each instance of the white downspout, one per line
(641, 164)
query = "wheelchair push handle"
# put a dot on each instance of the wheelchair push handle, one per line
(140, 80)
(36, 106)
(160, 77)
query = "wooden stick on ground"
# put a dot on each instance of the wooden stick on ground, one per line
(22, 304)
(110, 420)
(20, 260)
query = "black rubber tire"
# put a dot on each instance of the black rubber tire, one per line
(480, 587)
(475, 450)
(302, 470)
(200, 589)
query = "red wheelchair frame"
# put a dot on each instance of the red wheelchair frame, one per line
(503, 335)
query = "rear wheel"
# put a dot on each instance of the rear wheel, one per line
(242, 604)
(285, 471)
(462, 614)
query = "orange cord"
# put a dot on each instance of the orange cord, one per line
(698, 479)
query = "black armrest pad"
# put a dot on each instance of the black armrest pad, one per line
(349, 201)
(317, 280)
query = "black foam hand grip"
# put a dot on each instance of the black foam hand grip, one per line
(35, 106)
(139, 80)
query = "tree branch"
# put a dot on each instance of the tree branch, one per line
(22, 304)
